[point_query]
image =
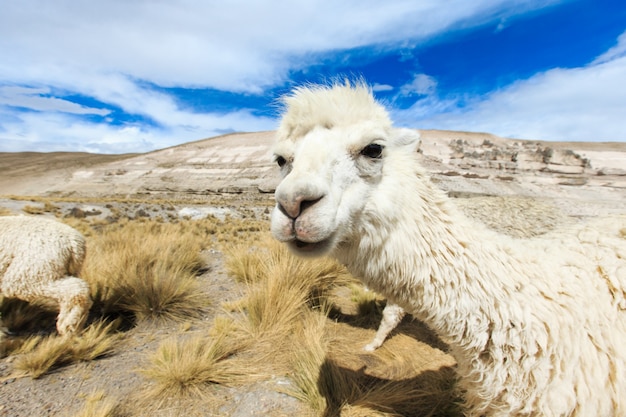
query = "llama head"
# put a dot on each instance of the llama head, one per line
(332, 147)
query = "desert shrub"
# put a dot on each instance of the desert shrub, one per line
(97, 404)
(147, 269)
(37, 354)
(269, 260)
(20, 316)
(32, 209)
(279, 285)
(297, 307)
(330, 385)
(310, 346)
(188, 366)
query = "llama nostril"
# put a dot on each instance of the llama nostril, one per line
(308, 203)
(292, 208)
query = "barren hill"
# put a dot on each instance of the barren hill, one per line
(463, 163)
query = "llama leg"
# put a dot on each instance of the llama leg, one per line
(72, 294)
(392, 315)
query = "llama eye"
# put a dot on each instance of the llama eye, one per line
(281, 161)
(373, 150)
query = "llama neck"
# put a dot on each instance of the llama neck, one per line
(422, 254)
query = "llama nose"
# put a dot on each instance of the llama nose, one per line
(294, 204)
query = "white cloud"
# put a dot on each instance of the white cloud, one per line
(112, 50)
(617, 51)
(39, 99)
(46, 132)
(54, 131)
(382, 87)
(239, 45)
(421, 84)
(579, 104)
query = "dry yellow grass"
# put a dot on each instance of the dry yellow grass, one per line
(20, 316)
(268, 260)
(188, 366)
(263, 334)
(37, 354)
(147, 269)
(143, 269)
(333, 377)
(288, 301)
(306, 320)
(32, 209)
(310, 345)
(279, 288)
(164, 200)
(97, 404)
(5, 211)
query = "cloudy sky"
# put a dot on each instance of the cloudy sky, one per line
(120, 76)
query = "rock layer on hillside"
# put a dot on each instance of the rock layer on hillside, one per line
(462, 163)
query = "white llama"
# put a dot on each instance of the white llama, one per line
(537, 329)
(38, 260)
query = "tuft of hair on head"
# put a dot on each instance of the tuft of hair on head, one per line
(327, 106)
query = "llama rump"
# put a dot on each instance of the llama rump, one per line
(40, 259)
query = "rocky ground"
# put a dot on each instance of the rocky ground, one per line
(221, 175)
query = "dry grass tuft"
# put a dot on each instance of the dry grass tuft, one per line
(310, 345)
(270, 260)
(287, 302)
(147, 269)
(181, 368)
(28, 209)
(280, 288)
(368, 304)
(86, 226)
(98, 405)
(330, 385)
(37, 355)
(286, 306)
(20, 316)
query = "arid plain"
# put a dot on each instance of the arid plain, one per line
(222, 187)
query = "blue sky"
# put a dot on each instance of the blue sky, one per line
(122, 76)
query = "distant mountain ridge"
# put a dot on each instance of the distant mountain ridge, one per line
(461, 162)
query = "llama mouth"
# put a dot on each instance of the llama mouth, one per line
(311, 247)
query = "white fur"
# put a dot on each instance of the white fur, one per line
(517, 217)
(39, 259)
(392, 316)
(537, 328)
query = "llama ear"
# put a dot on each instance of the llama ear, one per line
(405, 137)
